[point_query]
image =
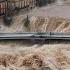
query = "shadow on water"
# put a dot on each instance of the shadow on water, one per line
(30, 43)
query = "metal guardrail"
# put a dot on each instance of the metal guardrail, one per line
(32, 35)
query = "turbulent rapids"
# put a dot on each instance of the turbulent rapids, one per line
(46, 57)
(49, 24)
(39, 24)
(28, 55)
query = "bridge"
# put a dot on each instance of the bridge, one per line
(36, 35)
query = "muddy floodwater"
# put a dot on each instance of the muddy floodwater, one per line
(30, 56)
(41, 20)
(37, 55)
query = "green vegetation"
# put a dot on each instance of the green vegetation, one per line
(41, 3)
(7, 19)
(26, 21)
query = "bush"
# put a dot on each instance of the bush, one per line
(26, 22)
(7, 19)
(41, 2)
(17, 9)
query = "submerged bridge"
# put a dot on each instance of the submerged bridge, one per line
(35, 35)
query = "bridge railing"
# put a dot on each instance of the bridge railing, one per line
(4, 5)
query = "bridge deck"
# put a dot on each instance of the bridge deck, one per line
(27, 35)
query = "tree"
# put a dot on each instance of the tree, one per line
(41, 2)
(8, 15)
(26, 21)
(7, 19)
